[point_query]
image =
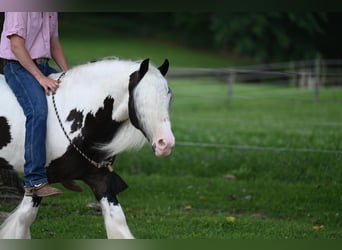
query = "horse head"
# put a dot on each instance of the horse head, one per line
(149, 105)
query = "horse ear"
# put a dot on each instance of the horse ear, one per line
(136, 76)
(164, 67)
(143, 68)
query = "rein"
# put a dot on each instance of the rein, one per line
(102, 164)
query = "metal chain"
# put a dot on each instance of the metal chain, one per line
(102, 164)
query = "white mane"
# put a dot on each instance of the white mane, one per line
(127, 138)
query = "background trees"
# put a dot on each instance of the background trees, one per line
(264, 36)
(269, 36)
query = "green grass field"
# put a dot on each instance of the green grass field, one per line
(267, 165)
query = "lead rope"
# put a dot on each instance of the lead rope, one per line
(102, 164)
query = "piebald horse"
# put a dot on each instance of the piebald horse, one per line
(101, 109)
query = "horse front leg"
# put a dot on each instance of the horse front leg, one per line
(115, 220)
(17, 225)
(106, 185)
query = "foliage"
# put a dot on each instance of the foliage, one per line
(268, 36)
(264, 36)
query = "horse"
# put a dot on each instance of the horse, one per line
(100, 110)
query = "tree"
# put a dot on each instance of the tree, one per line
(268, 36)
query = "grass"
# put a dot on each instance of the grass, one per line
(280, 145)
(276, 194)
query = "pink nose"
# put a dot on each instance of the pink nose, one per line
(163, 146)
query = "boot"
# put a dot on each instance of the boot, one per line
(42, 190)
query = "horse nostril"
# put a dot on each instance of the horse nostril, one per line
(161, 143)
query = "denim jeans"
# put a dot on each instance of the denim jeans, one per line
(32, 98)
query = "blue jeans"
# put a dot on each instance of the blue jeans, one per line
(32, 98)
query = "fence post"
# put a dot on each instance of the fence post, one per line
(231, 79)
(323, 73)
(293, 76)
(317, 76)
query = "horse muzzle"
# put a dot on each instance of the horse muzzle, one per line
(163, 145)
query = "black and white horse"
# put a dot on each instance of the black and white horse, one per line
(105, 107)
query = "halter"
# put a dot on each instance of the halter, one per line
(103, 164)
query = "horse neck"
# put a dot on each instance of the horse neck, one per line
(86, 88)
(89, 85)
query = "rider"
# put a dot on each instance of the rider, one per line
(28, 41)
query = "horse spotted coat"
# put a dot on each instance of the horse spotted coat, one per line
(106, 107)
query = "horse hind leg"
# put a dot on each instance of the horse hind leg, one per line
(17, 225)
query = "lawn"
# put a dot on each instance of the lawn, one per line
(267, 165)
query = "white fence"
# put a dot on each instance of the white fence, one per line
(309, 74)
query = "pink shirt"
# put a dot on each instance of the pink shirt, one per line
(37, 28)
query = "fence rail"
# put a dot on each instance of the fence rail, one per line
(306, 74)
